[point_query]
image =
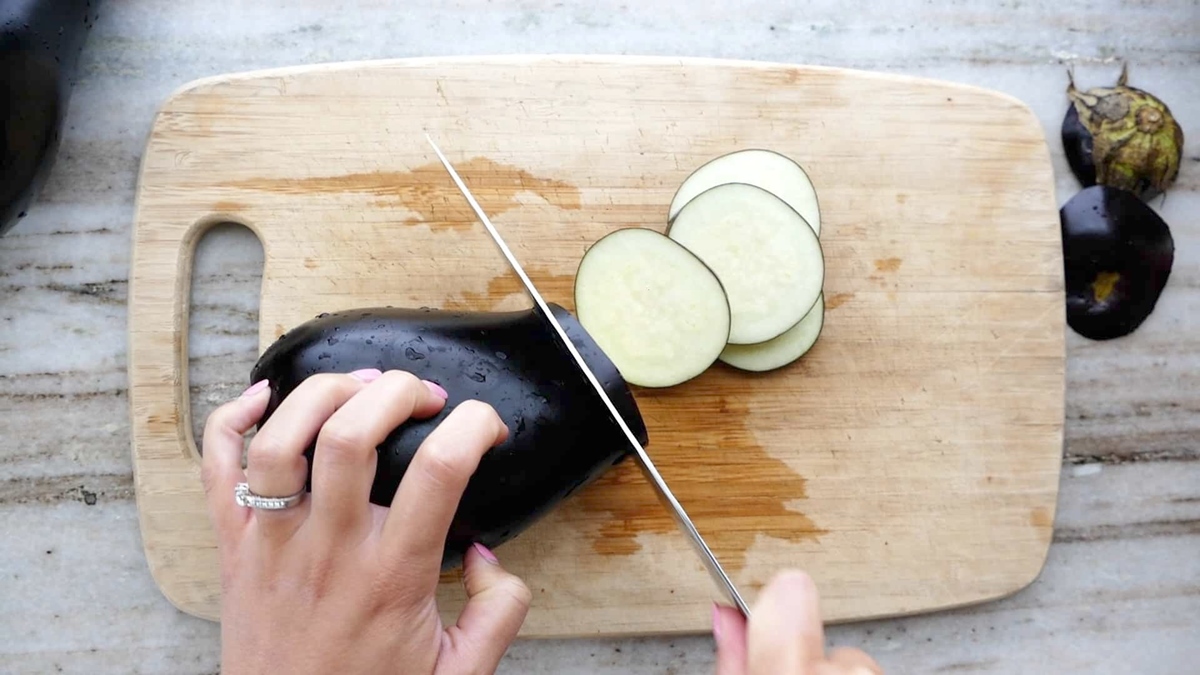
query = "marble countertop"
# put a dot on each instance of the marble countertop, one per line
(1120, 592)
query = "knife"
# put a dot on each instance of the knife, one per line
(664, 493)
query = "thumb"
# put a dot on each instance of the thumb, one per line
(785, 633)
(497, 602)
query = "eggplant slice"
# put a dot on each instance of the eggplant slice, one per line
(780, 351)
(652, 306)
(765, 255)
(766, 169)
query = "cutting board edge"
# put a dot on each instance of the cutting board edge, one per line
(177, 595)
(567, 58)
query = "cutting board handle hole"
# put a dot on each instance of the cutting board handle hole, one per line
(223, 310)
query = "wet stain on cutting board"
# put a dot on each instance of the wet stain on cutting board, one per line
(229, 207)
(837, 300)
(888, 264)
(555, 288)
(1040, 517)
(429, 190)
(704, 437)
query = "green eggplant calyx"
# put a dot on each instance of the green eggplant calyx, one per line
(1122, 137)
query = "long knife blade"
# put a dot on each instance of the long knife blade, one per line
(715, 570)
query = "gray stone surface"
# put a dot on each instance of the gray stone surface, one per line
(1121, 589)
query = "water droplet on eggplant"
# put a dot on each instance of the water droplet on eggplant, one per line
(412, 354)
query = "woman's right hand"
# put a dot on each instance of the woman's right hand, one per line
(784, 636)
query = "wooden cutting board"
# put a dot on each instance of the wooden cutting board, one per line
(909, 462)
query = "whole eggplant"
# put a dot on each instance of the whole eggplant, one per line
(40, 43)
(561, 435)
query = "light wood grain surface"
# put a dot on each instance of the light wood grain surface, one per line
(910, 461)
(1118, 593)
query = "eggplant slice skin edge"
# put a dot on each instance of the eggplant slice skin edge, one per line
(561, 436)
(1118, 254)
(769, 170)
(780, 351)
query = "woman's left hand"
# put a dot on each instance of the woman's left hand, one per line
(337, 584)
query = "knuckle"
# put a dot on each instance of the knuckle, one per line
(444, 464)
(326, 382)
(401, 378)
(269, 452)
(479, 413)
(341, 442)
(515, 588)
(218, 422)
(404, 387)
(476, 409)
(397, 586)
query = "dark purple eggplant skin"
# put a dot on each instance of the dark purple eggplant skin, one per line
(561, 435)
(1110, 230)
(40, 43)
(1077, 146)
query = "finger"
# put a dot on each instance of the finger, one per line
(854, 661)
(414, 532)
(729, 632)
(221, 458)
(275, 463)
(785, 631)
(497, 602)
(345, 458)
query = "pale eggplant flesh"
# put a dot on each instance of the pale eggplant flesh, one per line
(561, 435)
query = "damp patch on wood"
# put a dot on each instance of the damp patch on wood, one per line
(711, 439)
(429, 192)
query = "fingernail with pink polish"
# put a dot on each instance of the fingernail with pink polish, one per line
(255, 388)
(487, 555)
(436, 389)
(366, 374)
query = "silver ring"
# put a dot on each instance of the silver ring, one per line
(245, 497)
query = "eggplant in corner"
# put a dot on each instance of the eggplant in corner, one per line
(561, 435)
(40, 44)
